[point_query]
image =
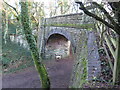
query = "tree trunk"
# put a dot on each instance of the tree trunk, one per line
(116, 73)
(5, 27)
(33, 46)
(3, 22)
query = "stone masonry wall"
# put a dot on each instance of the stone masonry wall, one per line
(76, 28)
(70, 19)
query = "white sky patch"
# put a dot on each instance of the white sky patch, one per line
(0, 5)
(11, 2)
(47, 4)
(50, 5)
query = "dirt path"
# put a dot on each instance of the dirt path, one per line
(59, 71)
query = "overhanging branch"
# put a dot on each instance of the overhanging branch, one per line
(12, 7)
(97, 18)
(106, 13)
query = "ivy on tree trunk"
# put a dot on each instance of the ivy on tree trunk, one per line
(33, 46)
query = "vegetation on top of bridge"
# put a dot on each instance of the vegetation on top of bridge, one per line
(66, 15)
(80, 26)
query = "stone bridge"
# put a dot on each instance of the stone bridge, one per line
(71, 34)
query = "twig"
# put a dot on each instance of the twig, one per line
(106, 13)
(97, 18)
(11, 7)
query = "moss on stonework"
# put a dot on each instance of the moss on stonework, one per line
(83, 26)
(84, 75)
(84, 64)
(79, 76)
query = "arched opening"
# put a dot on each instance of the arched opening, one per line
(57, 47)
(58, 51)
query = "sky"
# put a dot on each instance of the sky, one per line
(47, 4)
(12, 2)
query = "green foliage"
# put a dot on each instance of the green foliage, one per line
(79, 78)
(33, 46)
(83, 26)
(23, 66)
(12, 54)
(84, 74)
(12, 28)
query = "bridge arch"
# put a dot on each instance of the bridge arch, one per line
(66, 34)
(58, 42)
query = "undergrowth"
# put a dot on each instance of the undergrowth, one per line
(15, 57)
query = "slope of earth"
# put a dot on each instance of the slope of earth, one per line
(59, 72)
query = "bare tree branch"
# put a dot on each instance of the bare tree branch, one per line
(97, 18)
(11, 7)
(106, 13)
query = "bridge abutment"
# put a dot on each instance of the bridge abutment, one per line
(75, 28)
